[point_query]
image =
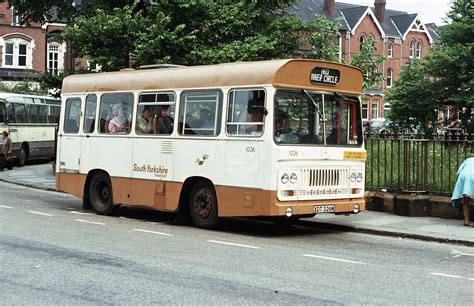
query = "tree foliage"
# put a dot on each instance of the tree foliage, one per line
(367, 61)
(445, 75)
(411, 98)
(323, 33)
(185, 32)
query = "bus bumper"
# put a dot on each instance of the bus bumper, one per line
(313, 207)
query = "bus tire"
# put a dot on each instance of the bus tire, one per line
(203, 205)
(100, 194)
(23, 156)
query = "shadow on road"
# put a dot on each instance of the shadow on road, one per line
(255, 227)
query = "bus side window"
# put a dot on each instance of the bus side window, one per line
(200, 113)
(20, 113)
(116, 113)
(3, 113)
(156, 112)
(37, 113)
(43, 114)
(246, 112)
(53, 113)
(11, 113)
(72, 115)
(89, 117)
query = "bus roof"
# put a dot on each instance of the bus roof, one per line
(287, 73)
(13, 97)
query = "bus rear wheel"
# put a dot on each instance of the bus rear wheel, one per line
(100, 194)
(203, 205)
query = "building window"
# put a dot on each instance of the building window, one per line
(418, 49)
(16, 18)
(55, 63)
(22, 50)
(412, 49)
(16, 53)
(53, 59)
(365, 109)
(8, 54)
(389, 77)
(361, 41)
(339, 47)
(375, 109)
(390, 50)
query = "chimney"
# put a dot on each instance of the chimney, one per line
(380, 10)
(330, 7)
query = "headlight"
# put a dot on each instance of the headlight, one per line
(359, 177)
(285, 178)
(293, 178)
(353, 177)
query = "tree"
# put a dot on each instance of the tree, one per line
(412, 100)
(185, 32)
(445, 74)
(45, 10)
(367, 61)
(323, 32)
(452, 63)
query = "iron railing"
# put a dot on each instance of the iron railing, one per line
(416, 164)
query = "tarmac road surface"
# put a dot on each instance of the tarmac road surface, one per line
(52, 252)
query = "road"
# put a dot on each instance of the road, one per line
(52, 252)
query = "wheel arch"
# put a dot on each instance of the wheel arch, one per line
(186, 190)
(86, 204)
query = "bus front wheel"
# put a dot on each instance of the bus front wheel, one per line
(23, 157)
(203, 205)
(100, 194)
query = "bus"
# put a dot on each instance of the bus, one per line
(31, 122)
(278, 138)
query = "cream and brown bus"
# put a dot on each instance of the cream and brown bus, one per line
(279, 138)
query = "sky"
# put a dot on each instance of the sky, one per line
(428, 10)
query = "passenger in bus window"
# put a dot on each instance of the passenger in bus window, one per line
(104, 121)
(145, 123)
(119, 123)
(164, 124)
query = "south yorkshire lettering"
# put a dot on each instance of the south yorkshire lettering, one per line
(159, 170)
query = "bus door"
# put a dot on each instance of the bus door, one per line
(69, 139)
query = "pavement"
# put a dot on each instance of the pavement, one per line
(41, 176)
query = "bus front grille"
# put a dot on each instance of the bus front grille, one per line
(324, 177)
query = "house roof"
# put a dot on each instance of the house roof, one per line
(404, 21)
(306, 9)
(396, 23)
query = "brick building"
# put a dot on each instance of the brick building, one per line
(400, 36)
(28, 49)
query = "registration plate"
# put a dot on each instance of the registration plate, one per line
(324, 209)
